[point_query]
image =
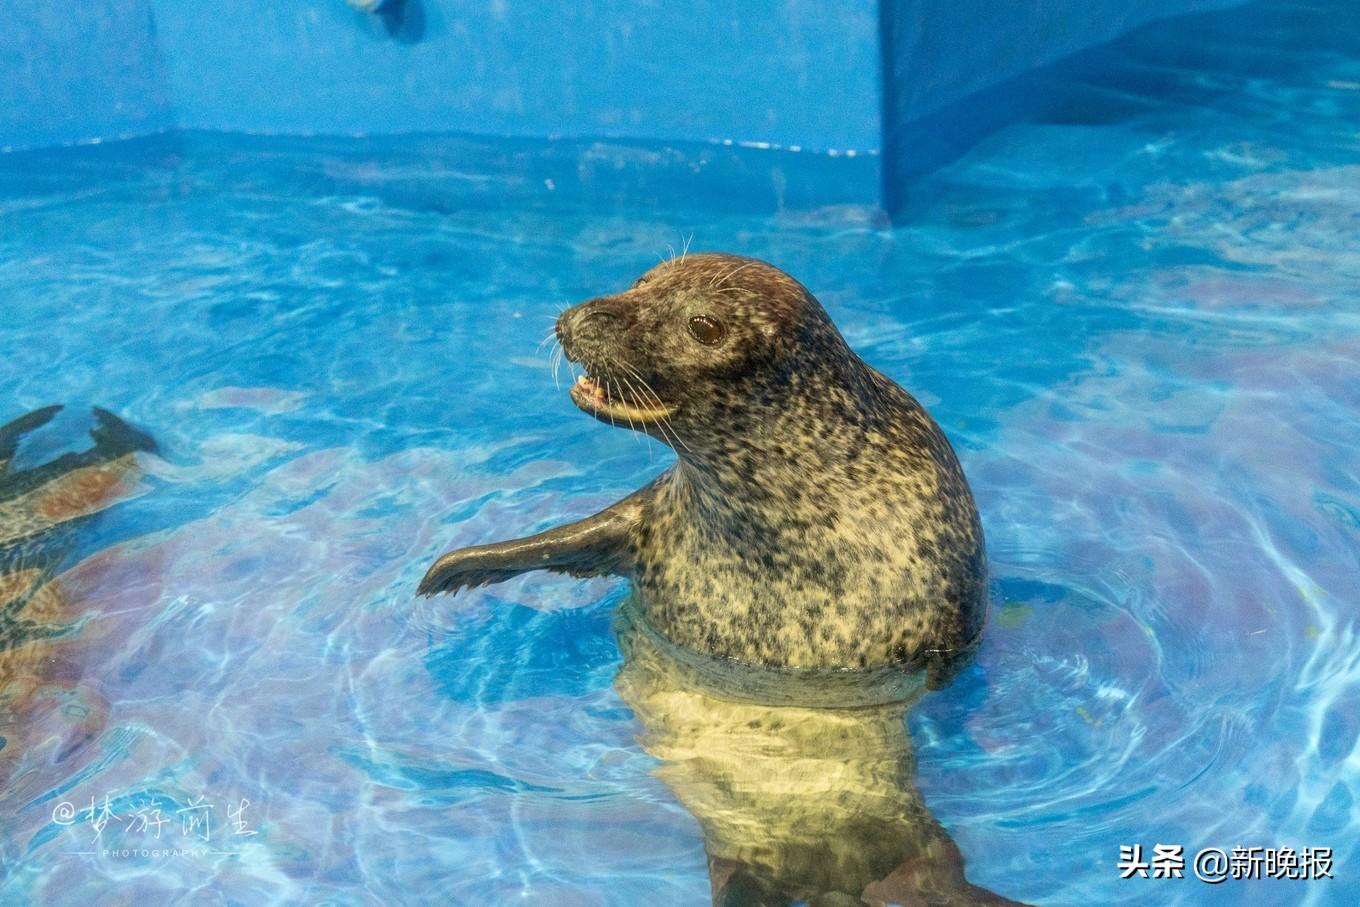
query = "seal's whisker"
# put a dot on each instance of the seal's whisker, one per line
(636, 432)
(608, 390)
(649, 392)
(648, 395)
(663, 422)
(614, 389)
(732, 273)
(643, 381)
(633, 394)
(666, 422)
(685, 249)
(607, 379)
(718, 278)
(555, 360)
(632, 391)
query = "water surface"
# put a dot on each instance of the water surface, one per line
(1135, 317)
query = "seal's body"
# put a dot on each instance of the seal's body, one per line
(816, 515)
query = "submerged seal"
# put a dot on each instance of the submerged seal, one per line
(800, 802)
(47, 713)
(816, 516)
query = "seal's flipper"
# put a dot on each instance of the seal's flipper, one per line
(113, 437)
(595, 546)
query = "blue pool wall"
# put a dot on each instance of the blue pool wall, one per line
(80, 72)
(899, 85)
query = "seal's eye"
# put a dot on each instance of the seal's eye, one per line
(706, 330)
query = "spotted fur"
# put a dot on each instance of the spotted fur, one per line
(816, 515)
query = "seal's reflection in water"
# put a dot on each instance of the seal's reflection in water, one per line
(802, 782)
(41, 507)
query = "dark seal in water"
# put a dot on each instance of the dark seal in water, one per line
(816, 516)
(48, 493)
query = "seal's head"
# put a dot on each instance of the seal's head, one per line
(698, 341)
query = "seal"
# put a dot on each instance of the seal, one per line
(45, 497)
(815, 517)
(39, 506)
(46, 713)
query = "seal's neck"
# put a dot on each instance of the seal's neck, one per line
(792, 436)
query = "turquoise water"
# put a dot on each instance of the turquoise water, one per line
(1136, 318)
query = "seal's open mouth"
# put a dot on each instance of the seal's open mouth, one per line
(618, 401)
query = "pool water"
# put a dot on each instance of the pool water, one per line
(1137, 318)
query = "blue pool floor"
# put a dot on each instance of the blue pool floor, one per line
(1141, 331)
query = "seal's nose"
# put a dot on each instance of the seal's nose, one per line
(588, 327)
